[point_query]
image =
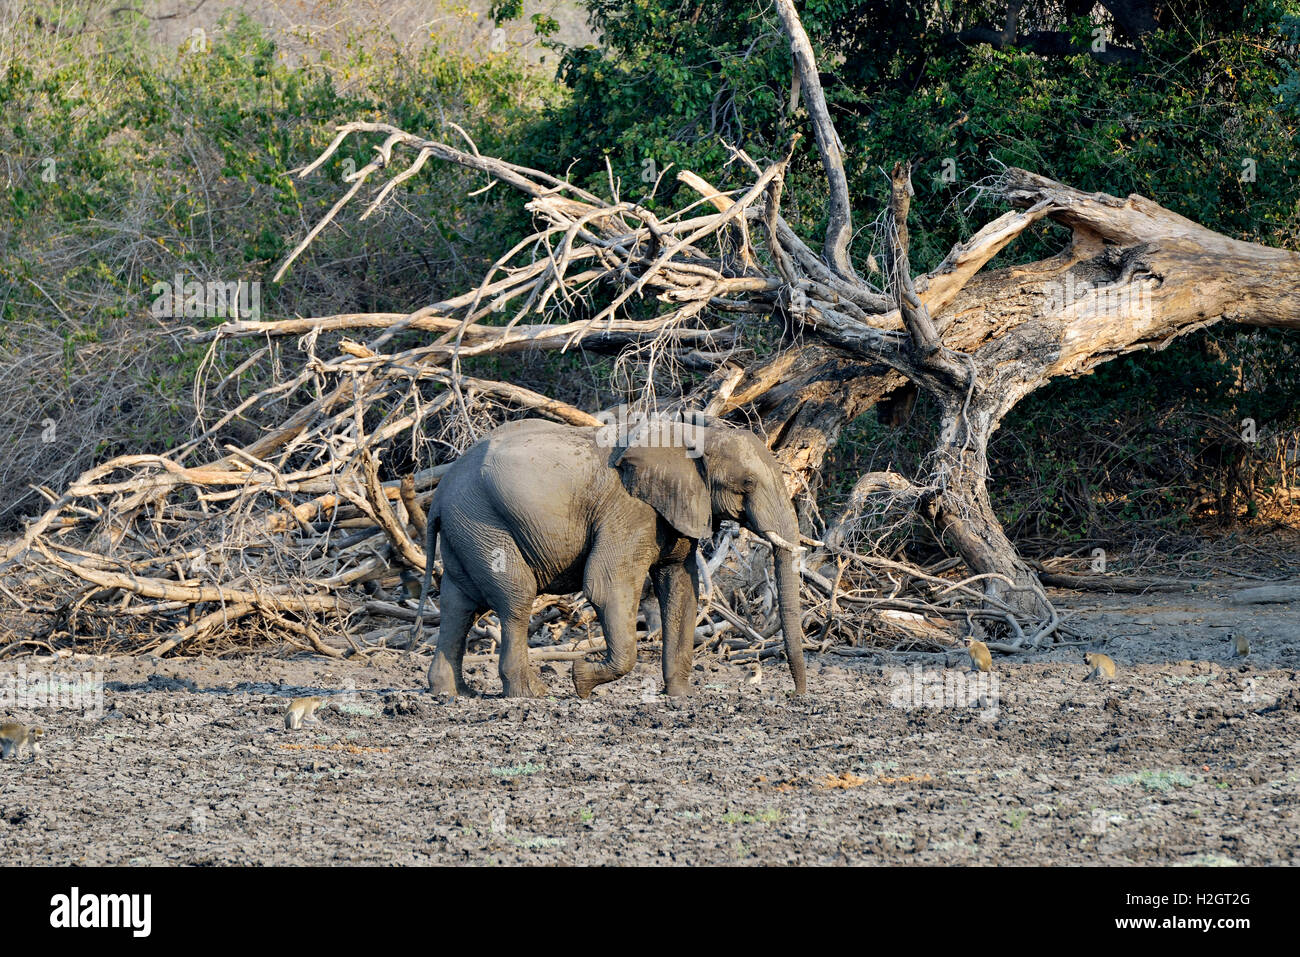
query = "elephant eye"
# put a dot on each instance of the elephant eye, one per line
(749, 485)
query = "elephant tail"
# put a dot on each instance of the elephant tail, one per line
(432, 525)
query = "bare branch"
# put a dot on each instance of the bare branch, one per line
(839, 229)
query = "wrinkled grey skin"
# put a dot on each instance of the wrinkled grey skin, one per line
(539, 508)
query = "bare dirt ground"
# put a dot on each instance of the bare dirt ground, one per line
(1185, 758)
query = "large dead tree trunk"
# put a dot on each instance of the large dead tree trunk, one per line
(1134, 276)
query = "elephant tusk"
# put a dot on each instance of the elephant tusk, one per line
(780, 542)
(706, 579)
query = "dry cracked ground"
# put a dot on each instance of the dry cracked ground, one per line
(1185, 758)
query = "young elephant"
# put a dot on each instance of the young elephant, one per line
(539, 508)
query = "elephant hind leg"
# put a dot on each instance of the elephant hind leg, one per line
(458, 611)
(518, 677)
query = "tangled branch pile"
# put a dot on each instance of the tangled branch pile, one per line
(296, 534)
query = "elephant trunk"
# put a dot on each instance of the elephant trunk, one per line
(787, 593)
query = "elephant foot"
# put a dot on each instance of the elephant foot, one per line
(677, 688)
(528, 687)
(586, 676)
(444, 684)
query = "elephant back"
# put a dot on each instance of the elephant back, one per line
(528, 470)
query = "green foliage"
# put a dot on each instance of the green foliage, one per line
(679, 82)
(1120, 449)
(123, 165)
(1289, 89)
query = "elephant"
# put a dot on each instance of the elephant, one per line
(536, 507)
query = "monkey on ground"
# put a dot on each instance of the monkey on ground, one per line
(980, 658)
(1102, 666)
(1239, 647)
(411, 584)
(302, 709)
(14, 737)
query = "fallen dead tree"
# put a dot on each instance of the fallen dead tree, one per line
(296, 533)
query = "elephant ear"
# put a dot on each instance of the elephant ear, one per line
(669, 480)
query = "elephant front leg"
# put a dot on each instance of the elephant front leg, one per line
(677, 588)
(616, 607)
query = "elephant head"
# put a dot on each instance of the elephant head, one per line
(696, 475)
